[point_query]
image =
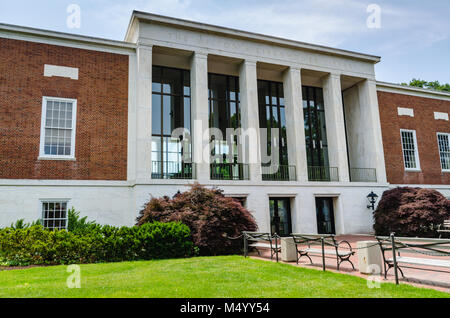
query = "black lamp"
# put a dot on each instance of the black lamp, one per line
(372, 197)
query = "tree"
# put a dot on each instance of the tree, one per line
(428, 85)
(212, 218)
(411, 212)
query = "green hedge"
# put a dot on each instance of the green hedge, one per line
(36, 245)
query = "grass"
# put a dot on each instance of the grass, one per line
(223, 276)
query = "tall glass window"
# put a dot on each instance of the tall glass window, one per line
(171, 109)
(272, 116)
(224, 112)
(315, 127)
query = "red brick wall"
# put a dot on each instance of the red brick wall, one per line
(426, 128)
(102, 102)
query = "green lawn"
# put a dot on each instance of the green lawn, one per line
(224, 276)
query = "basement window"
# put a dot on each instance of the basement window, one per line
(58, 128)
(54, 214)
(444, 150)
(410, 151)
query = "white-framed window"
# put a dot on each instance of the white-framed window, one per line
(410, 150)
(54, 214)
(444, 150)
(58, 125)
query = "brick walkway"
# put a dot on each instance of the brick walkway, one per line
(423, 278)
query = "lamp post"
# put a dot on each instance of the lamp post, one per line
(372, 197)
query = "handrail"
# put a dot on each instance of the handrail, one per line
(229, 171)
(363, 175)
(322, 173)
(173, 170)
(278, 172)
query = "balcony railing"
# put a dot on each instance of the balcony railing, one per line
(318, 173)
(173, 170)
(278, 173)
(363, 175)
(229, 171)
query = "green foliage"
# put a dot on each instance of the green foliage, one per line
(36, 245)
(428, 85)
(20, 224)
(77, 224)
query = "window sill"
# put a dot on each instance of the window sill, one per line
(413, 170)
(57, 158)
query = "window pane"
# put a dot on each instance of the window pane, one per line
(156, 114)
(171, 81)
(187, 113)
(166, 114)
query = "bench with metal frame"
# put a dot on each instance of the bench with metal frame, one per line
(424, 246)
(257, 240)
(323, 240)
(444, 228)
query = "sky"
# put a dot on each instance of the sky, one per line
(411, 36)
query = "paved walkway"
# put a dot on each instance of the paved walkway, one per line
(422, 278)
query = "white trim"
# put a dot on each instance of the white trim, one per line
(439, 150)
(42, 154)
(412, 91)
(10, 28)
(416, 151)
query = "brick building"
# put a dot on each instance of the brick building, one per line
(95, 124)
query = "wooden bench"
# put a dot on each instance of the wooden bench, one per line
(444, 228)
(304, 243)
(259, 241)
(422, 246)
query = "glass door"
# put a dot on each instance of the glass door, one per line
(325, 216)
(280, 216)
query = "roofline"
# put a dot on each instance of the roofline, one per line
(411, 90)
(204, 27)
(66, 36)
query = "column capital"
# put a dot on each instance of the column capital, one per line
(200, 55)
(145, 46)
(249, 62)
(294, 68)
(335, 75)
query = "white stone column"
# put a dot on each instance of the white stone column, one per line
(200, 114)
(295, 122)
(248, 87)
(144, 114)
(368, 100)
(334, 117)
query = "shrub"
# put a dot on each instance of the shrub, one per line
(411, 212)
(77, 224)
(20, 224)
(212, 218)
(36, 245)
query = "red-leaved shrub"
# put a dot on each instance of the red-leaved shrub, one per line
(411, 212)
(212, 218)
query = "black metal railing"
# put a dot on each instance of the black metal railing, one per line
(173, 170)
(278, 173)
(363, 175)
(319, 173)
(229, 171)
